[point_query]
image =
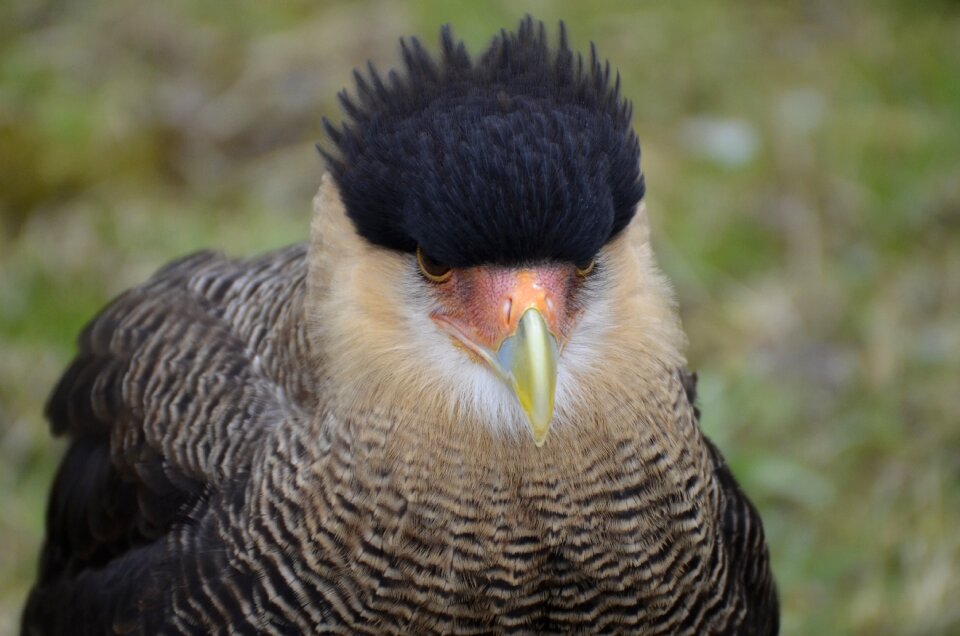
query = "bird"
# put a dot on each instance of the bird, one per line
(461, 406)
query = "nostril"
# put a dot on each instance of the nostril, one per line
(550, 306)
(505, 309)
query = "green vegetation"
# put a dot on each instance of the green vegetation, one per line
(803, 165)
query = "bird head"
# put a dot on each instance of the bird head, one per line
(477, 249)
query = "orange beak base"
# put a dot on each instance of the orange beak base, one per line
(485, 303)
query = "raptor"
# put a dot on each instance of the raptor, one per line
(461, 407)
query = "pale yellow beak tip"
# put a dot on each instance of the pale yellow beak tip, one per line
(540, 436)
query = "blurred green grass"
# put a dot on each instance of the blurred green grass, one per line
(803, 166)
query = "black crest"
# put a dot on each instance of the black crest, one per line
(525, 155)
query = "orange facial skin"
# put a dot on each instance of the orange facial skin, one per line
(484, 304)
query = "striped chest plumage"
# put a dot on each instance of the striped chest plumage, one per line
(411, 536)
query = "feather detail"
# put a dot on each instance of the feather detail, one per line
(525, 154)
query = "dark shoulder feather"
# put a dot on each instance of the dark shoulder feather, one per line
(742, 532)
(163, 404)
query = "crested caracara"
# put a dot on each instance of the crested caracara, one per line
(461, 407)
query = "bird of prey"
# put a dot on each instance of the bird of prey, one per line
(461, 407)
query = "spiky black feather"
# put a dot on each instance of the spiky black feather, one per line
(526, 154)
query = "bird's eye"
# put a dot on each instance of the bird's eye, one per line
(585, 267)
(433, 271)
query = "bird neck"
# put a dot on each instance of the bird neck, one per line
(650, 433)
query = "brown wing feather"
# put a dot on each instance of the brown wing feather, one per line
(742, 532)
(173, 385)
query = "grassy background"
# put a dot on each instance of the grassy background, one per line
(803, 165)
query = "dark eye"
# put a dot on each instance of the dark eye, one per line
(434, 272)
(585, 267)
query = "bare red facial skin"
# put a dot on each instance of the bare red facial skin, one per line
(485, 303)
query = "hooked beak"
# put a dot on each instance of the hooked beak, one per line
(527, 361)
(520, 343)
